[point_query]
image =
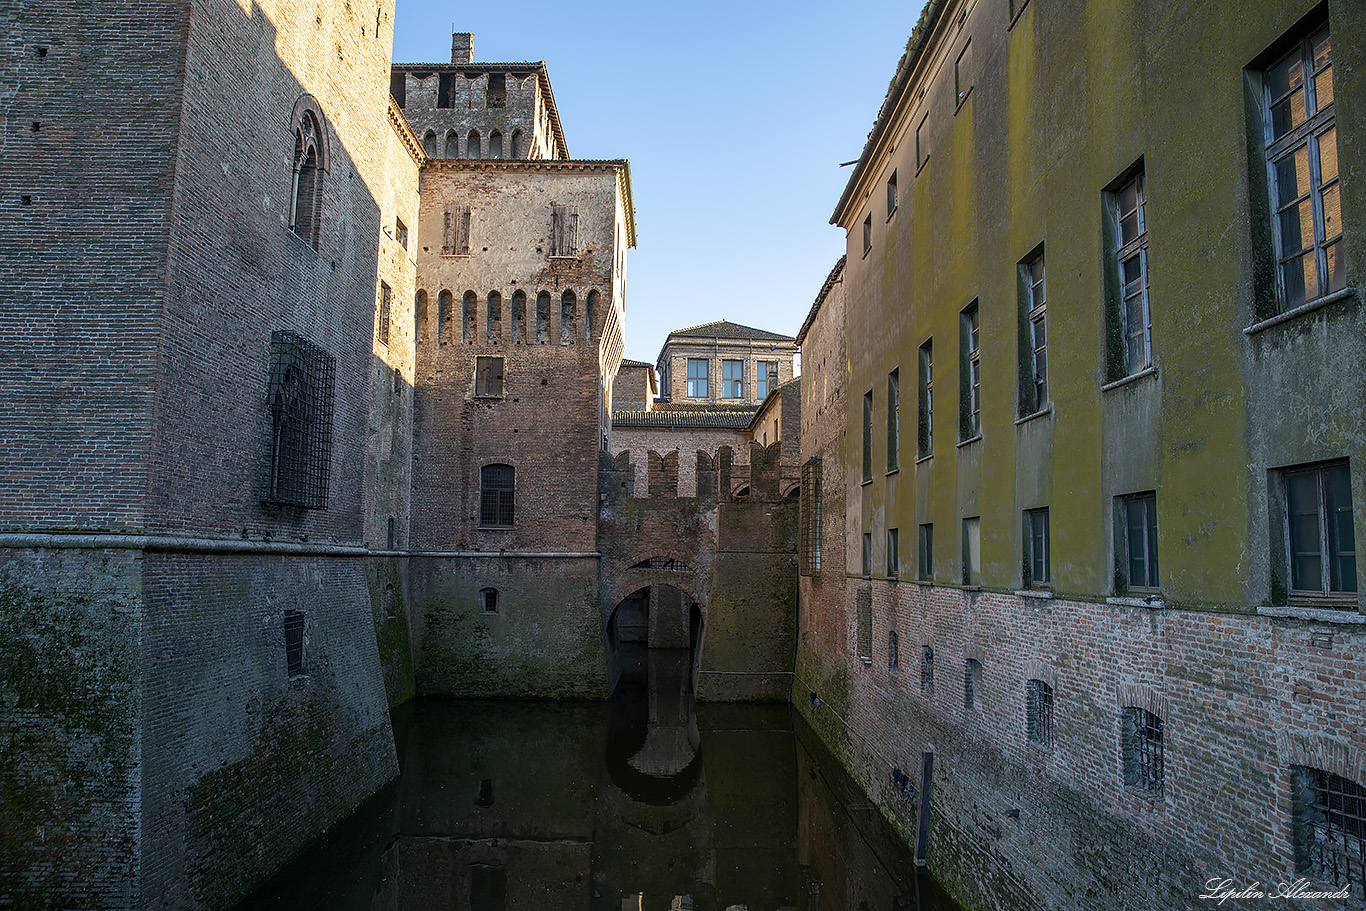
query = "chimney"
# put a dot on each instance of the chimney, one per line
(462, 47)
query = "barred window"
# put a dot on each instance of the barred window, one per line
(294, 643)
(1141, 745)
(496, 483)
(300, 398)
(455, 236)
(488, 600)
(1039, 712)
(564, 231)
(811, 517)
(1330, 828)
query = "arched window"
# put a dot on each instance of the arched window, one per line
(420, 316)
(518, 316)
(543, 317)
(310, 165)
(516, 144)
(472, 145)
(495, 144)
(1039, 712)
(1141, 745)
(444, 302)
(452, 144)
(429, 143)
(496, 484)
(590, 312)
(568, 304)
(468, 306)
(494, 329)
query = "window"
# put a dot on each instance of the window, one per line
(518, 316)
(443, 90)
(401, 233)
(488, 600)
(1036, 554)
(1033, 338)
(972, 682)
(455, 235)
(1329, 828)
(590, 309)
(970, 377)
(452, 144)
(495, 144)
(472, 145)
(469, 307)
(893, 420)
(543, 317)
(568, 306)
(962, 73)
(922, 142)
(495, 95)
(1302, 159)
(867, 234)
(1141, 746)
(294, 643)
(300, 398)
(867, 553)
(1039, 713)
(398, 87)
(493, 328)
(893, 652)
(893, 560)
(495, 496)
(972, 550)
(697, 378)
(926, 669)
(564, 231)
(429, 143)
(310, 158)
(516, 144)
(926, 565)
(811, 516)
(444, 304)
(865, 625)
(488, 376)
(765, 378)
(868, 435)
(1318, 528)
(925, 430)
(386, 296)
(1131, 314)
(891, 194)
(1138, 512)
(420, 315)
(732, 379)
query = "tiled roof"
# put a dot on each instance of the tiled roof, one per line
(727, 329)
(627, 362)
(836, 274)
(673, 415)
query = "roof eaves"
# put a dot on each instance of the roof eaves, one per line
(836, 276)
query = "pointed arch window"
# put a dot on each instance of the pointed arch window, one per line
(311, 165)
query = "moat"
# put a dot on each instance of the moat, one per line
(644, 802)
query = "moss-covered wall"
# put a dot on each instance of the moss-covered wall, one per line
(70, 712)
(387, 578)
(546, 639)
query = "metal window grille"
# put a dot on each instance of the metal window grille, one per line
(496, 495)
(926, 669)
(300, 397)
(1142, 748)
(294, 642)
(810, 506)
(488, 600)
(386, 295)
(972, 672)
(1039, 712)
(1330, 829)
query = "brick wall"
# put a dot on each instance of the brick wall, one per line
(673, 366)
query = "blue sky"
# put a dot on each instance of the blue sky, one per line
(735, 118)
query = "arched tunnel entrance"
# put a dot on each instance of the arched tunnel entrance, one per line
(654, 638)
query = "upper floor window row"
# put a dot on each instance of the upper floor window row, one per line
(482, 320)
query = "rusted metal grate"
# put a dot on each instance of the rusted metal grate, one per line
(1039, 712)
(1141, 733)
(810, 506)
(497, 483)
(1330, 829)
(294, 642)
(301, 390)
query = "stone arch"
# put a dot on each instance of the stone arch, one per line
(307, 104)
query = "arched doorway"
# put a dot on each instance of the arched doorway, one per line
(658, 618)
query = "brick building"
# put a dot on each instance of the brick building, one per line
(724, 363)
(1082, 499)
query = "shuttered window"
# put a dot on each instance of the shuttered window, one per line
(455, 237)
(564, 231)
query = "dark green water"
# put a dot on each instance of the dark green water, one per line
(645, 802)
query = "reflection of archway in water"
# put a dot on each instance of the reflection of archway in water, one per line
(653, 746)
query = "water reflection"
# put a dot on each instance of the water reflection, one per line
(646, 802)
